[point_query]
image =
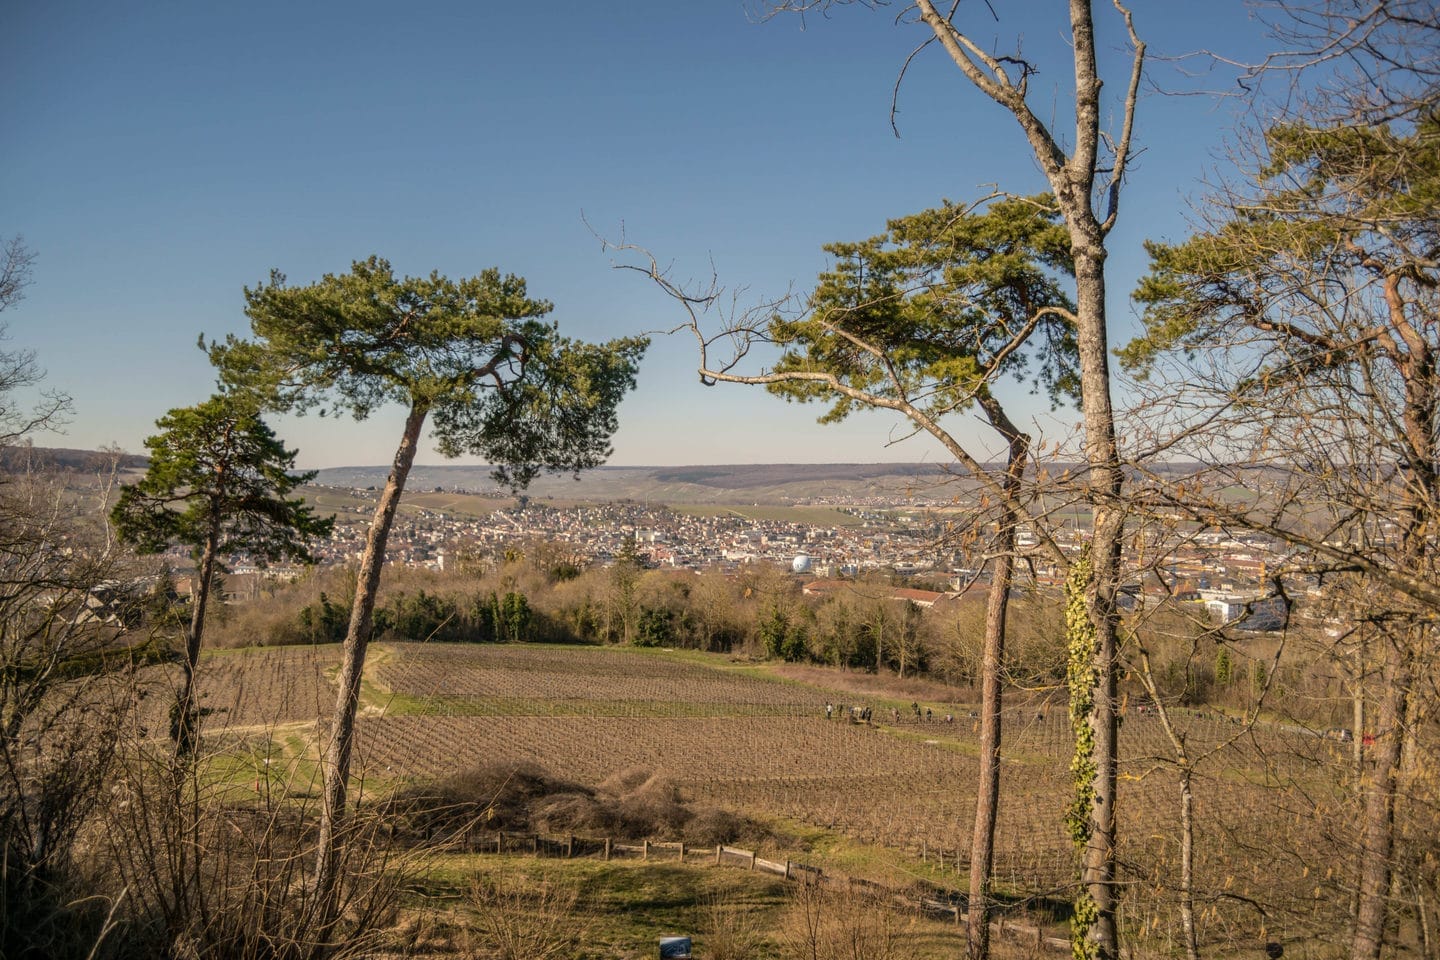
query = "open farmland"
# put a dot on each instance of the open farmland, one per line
(731, 736)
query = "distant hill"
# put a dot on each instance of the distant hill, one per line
(20, 458)
(730, 483)
(749, 483)
(742, 483)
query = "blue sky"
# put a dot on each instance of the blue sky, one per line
(160, 156)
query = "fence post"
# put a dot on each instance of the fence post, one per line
(570, 847)
(682, 851)
(752, 859)
(645, 850)
(607, 849)
(787, 869)
(924, 851)
(535, 844)
(718, 848)
(498, 838)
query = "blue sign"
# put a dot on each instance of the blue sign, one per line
(674, 948)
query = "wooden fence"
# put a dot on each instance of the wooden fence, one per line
(606, 848)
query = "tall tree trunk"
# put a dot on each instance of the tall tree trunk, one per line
(1380, 783)
(184, 728)
(1104, 488)
(357, 639)
(1377, 831)
(987, 801)
(1357, 720)
(877, 631)
(1187, 863)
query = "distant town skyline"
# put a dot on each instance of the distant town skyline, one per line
(158, 158)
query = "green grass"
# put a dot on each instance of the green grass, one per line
(623, 907)
(284, 763)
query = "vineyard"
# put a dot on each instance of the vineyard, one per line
(731, 737)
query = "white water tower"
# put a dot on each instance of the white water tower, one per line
(801, 563)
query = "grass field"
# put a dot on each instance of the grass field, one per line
(891, 801)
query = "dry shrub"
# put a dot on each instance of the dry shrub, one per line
(572, 813)
(273, 619)
(521, 919)
(55, 768)
(494, 796)
(203, 877)
(732, 931)
(711, 826)
(633, 804)
(840, 924)
(645, 803)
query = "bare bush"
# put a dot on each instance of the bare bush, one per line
(646, 803)
(845, 924)
(711, 825)
(66, 687)
(205, 875)
(523, 920)
(732, 931)
(634, 804)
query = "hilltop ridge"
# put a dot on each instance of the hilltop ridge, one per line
(714, 483)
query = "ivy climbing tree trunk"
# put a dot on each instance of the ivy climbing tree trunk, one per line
(1082, 665)
(1106, 481)
(1078, 179)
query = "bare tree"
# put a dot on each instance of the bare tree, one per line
(1086, 182)
(1373, 61)
(16, 259)
(927, 320)
(65, 686)
(1311, 301)
(17, 367)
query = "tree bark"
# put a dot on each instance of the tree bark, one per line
(185, 728)
(1187, 864)
(1378, 826)
(1073, 180)
(357, 638)
(987, 802)
(1381, 785)
(1104, 489)
(1357, 719)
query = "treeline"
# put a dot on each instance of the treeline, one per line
(525, 595)
(491, 618)
(541, 592)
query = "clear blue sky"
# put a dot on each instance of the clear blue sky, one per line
(160, 156)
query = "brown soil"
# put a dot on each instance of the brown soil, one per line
(876, 685)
